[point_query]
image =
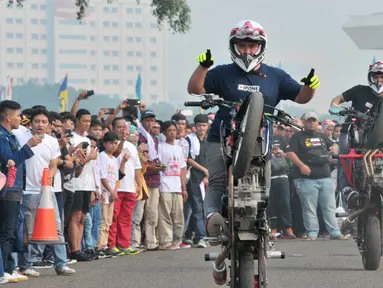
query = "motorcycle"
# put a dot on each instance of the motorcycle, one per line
(246, 148)
(364, 173)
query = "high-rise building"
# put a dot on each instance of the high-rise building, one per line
(106, 51)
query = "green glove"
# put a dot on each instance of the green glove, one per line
(311, 80)
(205, 59)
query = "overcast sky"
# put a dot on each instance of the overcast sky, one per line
(302, 34)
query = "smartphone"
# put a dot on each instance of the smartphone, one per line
(69, 133)
(110, 111)
(132, 102)
(89, 93)
(85, 145)
(57, 134)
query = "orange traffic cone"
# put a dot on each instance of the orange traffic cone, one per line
(45, 228)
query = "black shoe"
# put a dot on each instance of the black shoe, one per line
(91, 253)
(40, 265)
(80, 256)
(101, 254)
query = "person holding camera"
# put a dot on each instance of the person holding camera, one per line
(84, 185)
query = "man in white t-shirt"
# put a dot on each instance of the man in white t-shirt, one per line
(46, 155)
(172, 191)
(84, 185)
(124, 206)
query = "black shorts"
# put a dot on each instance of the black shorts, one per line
(81, 201)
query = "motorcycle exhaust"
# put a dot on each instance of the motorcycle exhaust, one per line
(220, 274)
(276, 255)
(211, 256)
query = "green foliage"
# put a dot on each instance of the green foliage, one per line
(174, 12)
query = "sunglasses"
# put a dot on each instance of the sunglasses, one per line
(143, 152)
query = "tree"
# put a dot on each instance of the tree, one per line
(174, 12)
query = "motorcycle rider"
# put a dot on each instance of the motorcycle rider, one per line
(236, 81)
(363, 98)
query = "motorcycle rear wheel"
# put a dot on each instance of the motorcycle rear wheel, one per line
(248, 146)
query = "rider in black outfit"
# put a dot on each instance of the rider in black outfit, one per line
(363, 98)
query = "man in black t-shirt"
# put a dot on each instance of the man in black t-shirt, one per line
(363, 98)
(309, 151)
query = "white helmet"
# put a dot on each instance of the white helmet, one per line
(252, 31)
(375, 68)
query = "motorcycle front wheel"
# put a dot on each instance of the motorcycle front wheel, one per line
(372, 248)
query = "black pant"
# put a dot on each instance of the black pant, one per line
(279, 204)
(9, 218)
(68, 203)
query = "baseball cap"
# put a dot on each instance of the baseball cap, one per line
(147, 114)
(309, 115)
(276, 143)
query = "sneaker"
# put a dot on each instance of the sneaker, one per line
(130, 251)
(288, 234)
(91, 253)
(3, 280)
(153, 248)
(48, 263)
(340, 237)
(187, 241)
(115, 252)
(169, 247)
(29, 272)
(311, 238)
(71, 261)
(139, 248)
(202, 244)
(303, 236)
(40, 265)
(65, 271)
(20, 277)
(10, 278)
(214, 223)
(324, 235)
(101, 254)
(80, 256)
(172, 247)
(184, 246)
(274, 234)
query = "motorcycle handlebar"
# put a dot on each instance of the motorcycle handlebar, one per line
(193, 104)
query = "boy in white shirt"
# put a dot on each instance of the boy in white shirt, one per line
(172, 190)
(127, 194)
(111, 170)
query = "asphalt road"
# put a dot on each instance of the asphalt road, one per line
(308, 264)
